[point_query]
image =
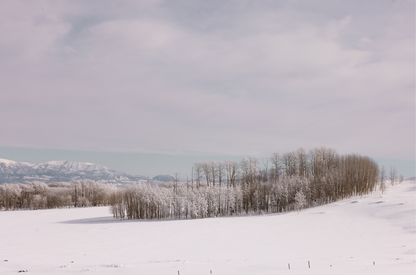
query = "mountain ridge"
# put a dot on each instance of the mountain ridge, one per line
(62, 171)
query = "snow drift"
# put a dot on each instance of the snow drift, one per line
(373, 234)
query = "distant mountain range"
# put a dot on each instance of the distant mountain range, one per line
(62, 171)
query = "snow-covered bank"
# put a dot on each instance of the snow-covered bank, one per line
(346, 237)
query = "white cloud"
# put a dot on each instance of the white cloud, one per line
(233, 79)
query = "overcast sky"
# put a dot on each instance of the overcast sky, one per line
(208, 77)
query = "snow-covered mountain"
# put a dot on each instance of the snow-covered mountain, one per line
(61, 171)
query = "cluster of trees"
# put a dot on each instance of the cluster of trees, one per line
(38, 195)
(286, 182)
(392, 176)
(281, 183)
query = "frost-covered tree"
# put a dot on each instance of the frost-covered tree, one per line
(198, 173)
(206, 168)
(276, 162)
(220, 171)
(300, 200)
(38, 195)
(232, 171)
(175, 180)
(302, 162)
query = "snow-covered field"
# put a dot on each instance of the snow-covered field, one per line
(374, 234)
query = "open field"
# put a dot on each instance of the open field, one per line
(374, 234)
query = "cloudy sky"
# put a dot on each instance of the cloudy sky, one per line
(187, 78)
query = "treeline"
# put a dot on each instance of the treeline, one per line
(38, 195)
(281, 183)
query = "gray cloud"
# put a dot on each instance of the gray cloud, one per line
(229, 77)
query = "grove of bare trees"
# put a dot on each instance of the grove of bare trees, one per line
(38, 195)
(284, 182)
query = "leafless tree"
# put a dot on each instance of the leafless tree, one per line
(383, 180)
(289, 161)
(175, 180)
(206, 168)
(393, 175)
(220, 171)
(198, 172)
(276, 162)
(214, 171)
(302, 159)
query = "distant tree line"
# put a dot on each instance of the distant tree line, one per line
(38, 195)
(281, 183)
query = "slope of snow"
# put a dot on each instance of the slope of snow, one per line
(13, 163)
(7, 162)
(70, 166)
(374, 234)
(54, 162)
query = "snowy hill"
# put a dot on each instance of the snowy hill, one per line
(373, 234)
(61, 171)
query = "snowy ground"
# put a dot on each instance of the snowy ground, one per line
(346, 237)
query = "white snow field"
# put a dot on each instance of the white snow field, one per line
(374, 234)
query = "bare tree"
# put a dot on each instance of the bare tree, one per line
(206, 168)
(175, 180)
(214, 172)
(383, 179)
(254, 170)
(231, 168)
(265, 174)
(276, 162)
(220, 171)
(302, 159)
(289, 161)
(198, 172)
(393, 175)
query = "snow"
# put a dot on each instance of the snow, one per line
(60, 171)
(13, 163)
(54, 163)
(7, 162)
(374, 234)
(69, 165)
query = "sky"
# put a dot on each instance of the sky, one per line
(216, 79)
